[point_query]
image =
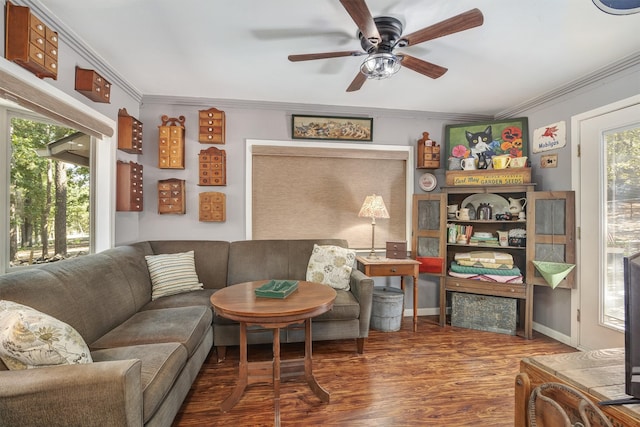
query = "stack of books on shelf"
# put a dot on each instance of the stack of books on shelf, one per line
(483, 240)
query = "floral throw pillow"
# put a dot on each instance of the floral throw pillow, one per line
(31, 339)
(331, 265)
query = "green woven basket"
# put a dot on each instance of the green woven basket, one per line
(553, 272)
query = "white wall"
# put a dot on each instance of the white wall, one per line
(552, 307)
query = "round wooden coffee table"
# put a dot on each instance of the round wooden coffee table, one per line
(239, 302)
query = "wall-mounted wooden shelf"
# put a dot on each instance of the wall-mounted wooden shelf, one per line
(129, 133)
(212, 207)
(129, 187)
(212, 167)
(212, 126)
(171, 143)
(93, 85)
(171, 196)
(29, 43)
(428, 153)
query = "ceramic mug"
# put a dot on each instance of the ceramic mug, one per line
(469, 163)
(500, 162)
(518, 162)
(454, 164)
(463, 214)
(451, 211)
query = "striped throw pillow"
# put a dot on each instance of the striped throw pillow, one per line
(172, 274)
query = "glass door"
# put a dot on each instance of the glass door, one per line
(610, 221)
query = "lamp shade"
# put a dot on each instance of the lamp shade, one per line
(373, 207)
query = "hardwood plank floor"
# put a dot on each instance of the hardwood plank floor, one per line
(436, 377)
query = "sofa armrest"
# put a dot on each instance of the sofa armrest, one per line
(93, 394)
(362, 289)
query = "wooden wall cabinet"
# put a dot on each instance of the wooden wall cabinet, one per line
(171, 143)
(428, 153)
(129, 133)
(93, 85)
(212, 167)
(212, 207)
(171, 196)
(129, 187)
(30, 43)
(212, 126)
(550, 230)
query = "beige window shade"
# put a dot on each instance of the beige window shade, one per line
(311, 192)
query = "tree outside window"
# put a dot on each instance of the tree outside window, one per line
(49, 197)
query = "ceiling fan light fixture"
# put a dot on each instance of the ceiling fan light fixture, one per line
(380, 65)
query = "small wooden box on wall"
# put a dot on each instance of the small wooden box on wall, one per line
(212, 126)
(212, 207)
(129, 187)
(397, 250)
(171, 196)
(171, 143)
(212, 167)
(29, 43)
(93, 85)
(129, 133)
(428, 153)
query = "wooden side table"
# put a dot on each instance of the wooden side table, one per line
(385, 267)
(239, 302)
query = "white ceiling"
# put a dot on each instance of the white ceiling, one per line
(238, 49)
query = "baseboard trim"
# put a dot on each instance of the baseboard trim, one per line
(564, 339)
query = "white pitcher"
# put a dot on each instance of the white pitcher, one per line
(516, 205)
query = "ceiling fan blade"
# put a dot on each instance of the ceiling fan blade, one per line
(357, 83)
(423, 67)
(362, 17)
(310, 56)
(469, 19)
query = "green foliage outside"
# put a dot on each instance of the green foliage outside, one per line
(623, 151)
(33, 187)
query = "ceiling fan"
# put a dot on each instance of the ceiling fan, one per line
(381, 35)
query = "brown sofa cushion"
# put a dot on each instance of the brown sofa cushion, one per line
(184, 325)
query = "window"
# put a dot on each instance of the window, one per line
(49, 192)
(622, 147)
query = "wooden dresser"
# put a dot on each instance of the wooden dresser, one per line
(598, 374)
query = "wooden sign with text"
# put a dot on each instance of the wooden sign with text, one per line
(489, 177)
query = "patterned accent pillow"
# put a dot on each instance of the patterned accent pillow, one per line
(31, 339)
(172, 274)
(331, 265)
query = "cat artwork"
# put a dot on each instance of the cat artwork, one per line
(479, 141)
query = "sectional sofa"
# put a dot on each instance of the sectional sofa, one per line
(145, 353)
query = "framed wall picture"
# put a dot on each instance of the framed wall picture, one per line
(331, 128)
(492, 138)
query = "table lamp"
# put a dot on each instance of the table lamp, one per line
(373, 207)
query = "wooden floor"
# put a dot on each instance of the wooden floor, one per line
(436, 377)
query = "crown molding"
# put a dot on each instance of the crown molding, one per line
(69, 37)
(312, 108)
(574, 86)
